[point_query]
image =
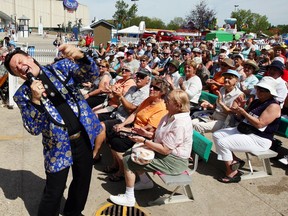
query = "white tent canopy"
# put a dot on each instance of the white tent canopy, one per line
(86, 28)
(130, 30)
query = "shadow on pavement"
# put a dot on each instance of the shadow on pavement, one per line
(23, 184)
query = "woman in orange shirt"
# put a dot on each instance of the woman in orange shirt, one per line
(146, 118)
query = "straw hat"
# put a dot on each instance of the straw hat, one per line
(252, 63)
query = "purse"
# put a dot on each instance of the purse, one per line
(246, 128)
(141, 154)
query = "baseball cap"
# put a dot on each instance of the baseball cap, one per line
(232, 72)
(130, 52)
(144, 71)
(120, 54)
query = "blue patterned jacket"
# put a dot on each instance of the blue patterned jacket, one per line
(65, 75)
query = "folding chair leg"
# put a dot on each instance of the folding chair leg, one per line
(267, 166)
(188, 192)
(249, 163)
(172, 198)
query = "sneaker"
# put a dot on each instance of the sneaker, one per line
(122, 200)
(143, 186)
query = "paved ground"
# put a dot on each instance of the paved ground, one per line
(22, 181)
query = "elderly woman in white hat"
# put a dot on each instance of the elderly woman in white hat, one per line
(254, 133)
(228, 96)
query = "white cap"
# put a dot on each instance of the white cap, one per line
(119, 54)
(224, 48)
(197, 60)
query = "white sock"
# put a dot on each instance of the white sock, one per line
(130, 193)
(144, 178)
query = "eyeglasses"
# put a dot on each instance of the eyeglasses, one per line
(155, 88)
(260, 89)
(125, 70)
(140, 76)
(102, 66)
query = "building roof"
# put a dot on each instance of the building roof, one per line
(23, 17)
(102, 21)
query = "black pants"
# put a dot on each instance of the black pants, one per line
(79, 187)
(94, 101)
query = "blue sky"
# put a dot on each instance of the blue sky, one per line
(275, 10)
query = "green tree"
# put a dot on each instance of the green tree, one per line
(176, 23)
(123, 15)
(250, 22)
(149, 22)
(283, 29)
(201, 17)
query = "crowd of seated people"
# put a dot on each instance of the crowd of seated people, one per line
(140, 79)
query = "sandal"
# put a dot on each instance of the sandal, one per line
(226, 179)
(110, 169)
(237, 165)
(116, 178)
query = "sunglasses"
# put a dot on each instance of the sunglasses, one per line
(102, 66)
(141, 76)
(125, 70)
(142, 60)
(155, 88)
(260, 89)
(166, 53)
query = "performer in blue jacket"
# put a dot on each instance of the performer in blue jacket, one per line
(50, 103)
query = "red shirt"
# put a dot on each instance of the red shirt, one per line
(285, 75)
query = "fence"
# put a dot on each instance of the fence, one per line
(43, 56)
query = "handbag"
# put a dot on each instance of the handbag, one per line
(141, 154)
(246, 128)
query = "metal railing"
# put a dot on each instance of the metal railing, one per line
(43, 56)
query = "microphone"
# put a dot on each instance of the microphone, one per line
(31, 78)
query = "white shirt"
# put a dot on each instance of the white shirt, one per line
(175, 79)
(176, 133)
(227, 99)
(193, 88)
